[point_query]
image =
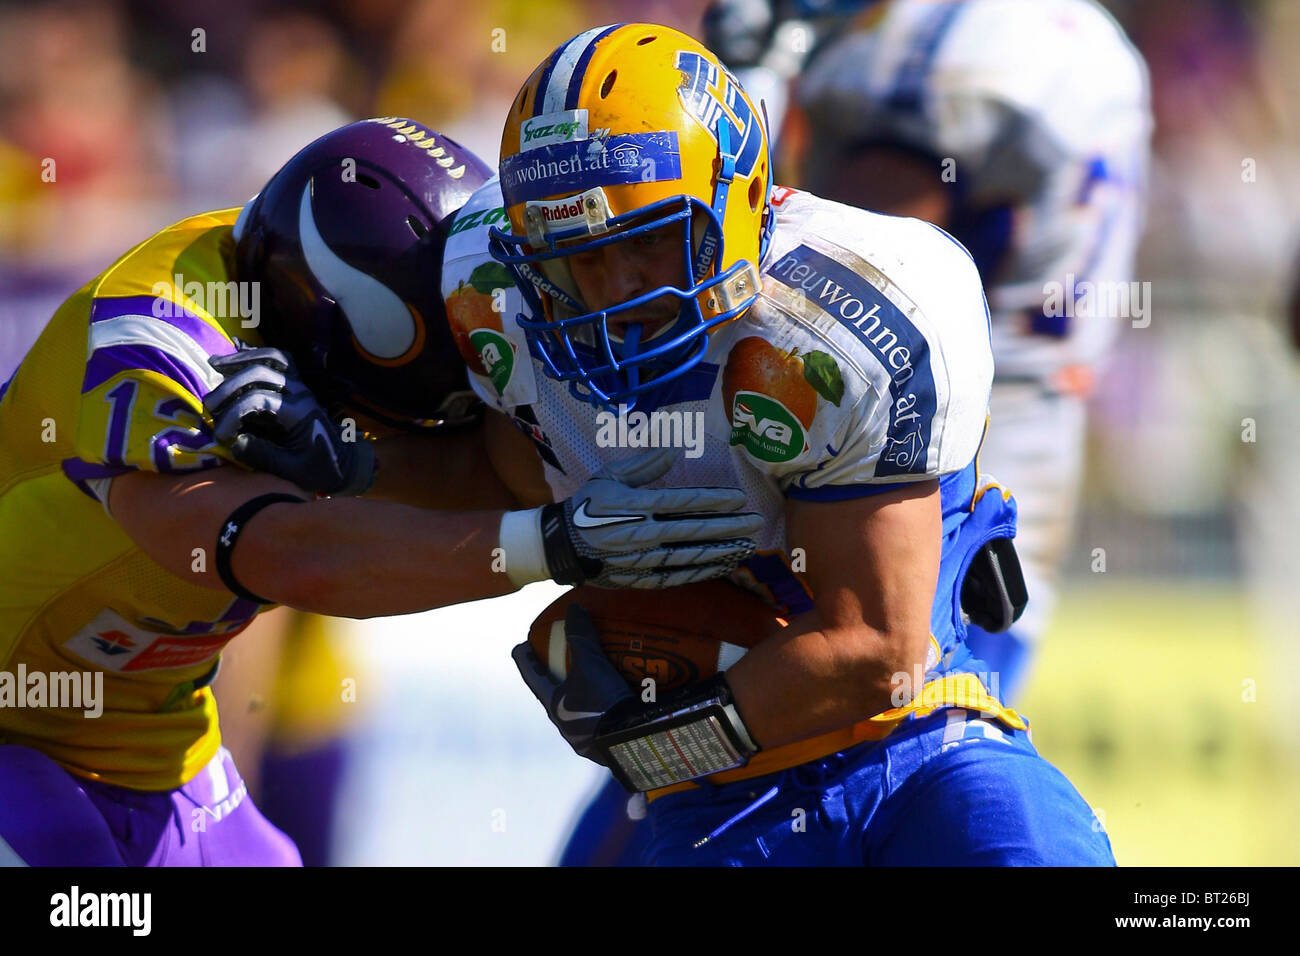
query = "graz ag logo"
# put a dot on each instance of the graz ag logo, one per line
(765, 427)
(564, 130)
(497, 356)
(559, 127)
(709, 93)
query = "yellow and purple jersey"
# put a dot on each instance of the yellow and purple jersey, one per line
(115, 383)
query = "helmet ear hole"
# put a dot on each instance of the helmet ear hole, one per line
(608, 85)
(755, 192)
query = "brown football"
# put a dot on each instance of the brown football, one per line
(675, 636)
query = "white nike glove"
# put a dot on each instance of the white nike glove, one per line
(615, 534)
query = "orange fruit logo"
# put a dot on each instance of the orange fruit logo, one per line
(472, 306)
(772, 396)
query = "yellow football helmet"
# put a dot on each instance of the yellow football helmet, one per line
(622, 130)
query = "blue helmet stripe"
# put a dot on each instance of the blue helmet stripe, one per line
(580, 69)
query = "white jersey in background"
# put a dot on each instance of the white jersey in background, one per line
(1037, 112)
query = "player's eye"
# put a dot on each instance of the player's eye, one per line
(654, 236)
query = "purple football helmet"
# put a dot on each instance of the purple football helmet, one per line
(346, 241)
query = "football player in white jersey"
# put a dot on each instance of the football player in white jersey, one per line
(833, 364)
(1022, 128)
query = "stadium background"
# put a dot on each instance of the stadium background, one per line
(1182, 600)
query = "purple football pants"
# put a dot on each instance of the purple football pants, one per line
(48, 817)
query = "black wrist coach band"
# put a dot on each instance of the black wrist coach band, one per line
(230, 532)
(564, 562)
(561, 557)
(693, 732)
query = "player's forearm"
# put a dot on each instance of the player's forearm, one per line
(353, 558)
(799, 684)
(873, 568)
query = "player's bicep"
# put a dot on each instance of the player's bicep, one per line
(176, 519)
(515, 460)
(872, 564)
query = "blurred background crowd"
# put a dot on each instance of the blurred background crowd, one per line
(153, 110)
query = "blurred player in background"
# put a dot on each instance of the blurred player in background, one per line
(1022, 127)
(287, 719)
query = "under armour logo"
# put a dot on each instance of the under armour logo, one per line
(228, 533)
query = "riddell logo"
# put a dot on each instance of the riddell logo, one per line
(589, 207)
(571, 210)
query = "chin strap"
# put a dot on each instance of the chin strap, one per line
(728, 171)
(711, 251)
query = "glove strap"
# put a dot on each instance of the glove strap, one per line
(231, 530)
(561, 556)
(695, 733)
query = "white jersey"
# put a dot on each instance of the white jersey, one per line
(864, 363)
(1037, 112)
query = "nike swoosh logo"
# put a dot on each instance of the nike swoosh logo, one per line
(318, 431)
(581, 519)
(566, 715)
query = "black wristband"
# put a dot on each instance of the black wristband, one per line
(563, 561)
(232, 528)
